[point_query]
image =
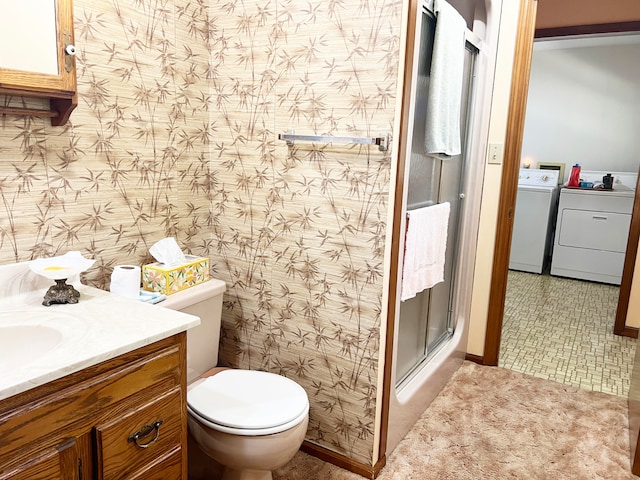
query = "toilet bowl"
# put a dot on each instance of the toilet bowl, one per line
(258, 423)
(251, 422)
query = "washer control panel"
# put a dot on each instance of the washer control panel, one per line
(538, 178)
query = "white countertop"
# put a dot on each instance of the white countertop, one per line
(99, 327)
(619, 190)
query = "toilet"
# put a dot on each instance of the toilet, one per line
(250, 422)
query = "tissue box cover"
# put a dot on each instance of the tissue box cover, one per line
(158, 277)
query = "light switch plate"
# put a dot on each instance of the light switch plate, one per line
(496, 153)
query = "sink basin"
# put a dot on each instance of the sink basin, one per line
(23, 344)
(27, 336)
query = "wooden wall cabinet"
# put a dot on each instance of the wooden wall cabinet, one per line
(56, 83)
(123, 418)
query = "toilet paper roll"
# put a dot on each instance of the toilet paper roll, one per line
(125, 281)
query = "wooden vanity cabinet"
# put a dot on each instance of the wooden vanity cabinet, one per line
(124, 418)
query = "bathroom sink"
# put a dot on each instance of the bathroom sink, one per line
(27, 336)
(23, 344)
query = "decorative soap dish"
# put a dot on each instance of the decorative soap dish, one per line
(59, 269)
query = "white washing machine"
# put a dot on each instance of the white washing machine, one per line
(534, 219)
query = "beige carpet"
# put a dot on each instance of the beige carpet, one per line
(492, 423)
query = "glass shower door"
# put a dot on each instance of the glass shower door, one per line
(425, 321)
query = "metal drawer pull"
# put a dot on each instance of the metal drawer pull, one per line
(145, 432)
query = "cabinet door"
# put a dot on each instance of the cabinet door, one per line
(56, 18)
(60, 463)
(37, 55)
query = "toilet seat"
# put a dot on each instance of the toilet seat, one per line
(248, 402)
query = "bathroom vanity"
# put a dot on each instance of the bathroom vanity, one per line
(109, 402)
(52, 431)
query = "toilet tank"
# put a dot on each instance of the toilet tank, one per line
(204, 301)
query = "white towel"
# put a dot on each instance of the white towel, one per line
(425, 248)
(442, 129)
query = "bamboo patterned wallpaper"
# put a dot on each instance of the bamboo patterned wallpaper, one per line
(180, 104)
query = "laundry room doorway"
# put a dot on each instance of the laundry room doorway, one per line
(500, 302)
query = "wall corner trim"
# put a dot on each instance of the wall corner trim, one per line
(631, 332)
(342, 461)
(479, 359)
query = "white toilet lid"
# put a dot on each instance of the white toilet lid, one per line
(248, 399)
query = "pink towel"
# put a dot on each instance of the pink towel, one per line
(425, 248)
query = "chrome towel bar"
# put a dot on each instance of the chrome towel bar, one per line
(416, 206)
(382, 142)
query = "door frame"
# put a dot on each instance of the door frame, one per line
(510, 170)
(509, 185)
(620, 327)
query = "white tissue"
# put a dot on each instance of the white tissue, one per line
(125, 281)
(167, 251)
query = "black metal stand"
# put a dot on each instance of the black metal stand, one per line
(61, 293)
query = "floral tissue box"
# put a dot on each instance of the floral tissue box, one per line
(158, 277)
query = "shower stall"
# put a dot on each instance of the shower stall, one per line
(430, 330)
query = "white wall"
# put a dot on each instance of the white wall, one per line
(492, 180)
(583, 104)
